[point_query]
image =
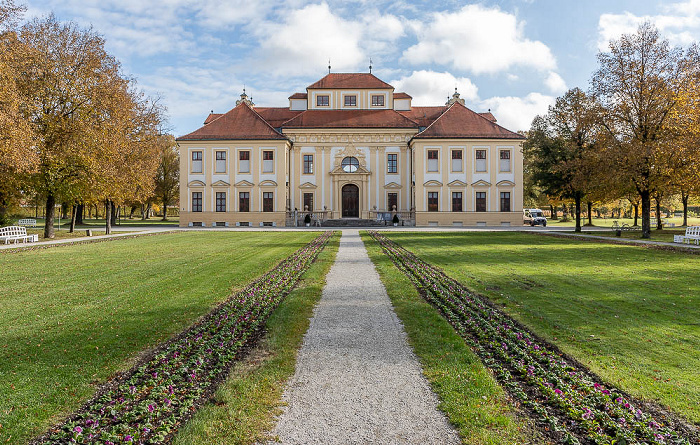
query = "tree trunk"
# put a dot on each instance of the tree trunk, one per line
(659, 226)
(79, 213)
(73, 211)
(646, 213)
(684, 198)
(553, 212)
(577, 200)
(147, 213)
(108, 217)
(636, 213)
(131, 213)
(165, 210)
(50, 211)
(143, 212)
(589, 204)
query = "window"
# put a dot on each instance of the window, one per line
(268, 161)
(392, 201)
(432, 201)
(220, 201)
(196, 201)
(377, 100)
(268, 202)
(350, 101)
(480, 201)
(392, 163)
(308, 202)
(504, 165)
(505, 201)
(244, 201)
(350, 164)
(322, 101)
(244, 161)
(481, 160)
(432, 160)
(196, 162)
(456, 160)
(308, 164)
(456, 201)
(220, 162)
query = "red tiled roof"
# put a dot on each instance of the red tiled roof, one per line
(350, 119)
(350, 80)
(211, 117)
(276, 116)
(424, 116)
(488, 116)
(240, 123)
(402, 96)
(460, 122)
(299, 96)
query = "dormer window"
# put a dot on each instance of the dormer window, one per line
(377, 100)
(350, 101)
(322, 100)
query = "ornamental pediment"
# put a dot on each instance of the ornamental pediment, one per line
(307, 185)
(481, 183)
(505, 183)
(196, 183)
(244, 183)
(432, 183)
(392, 185)
(457, 183)
(220, 183)
(268, 183)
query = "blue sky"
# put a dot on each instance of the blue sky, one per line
(513, 56)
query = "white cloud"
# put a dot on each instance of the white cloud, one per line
(432, 88)
(680, 24)
(555, 83)
(517, 113)
(466, 40)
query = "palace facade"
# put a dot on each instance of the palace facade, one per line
(351, 148)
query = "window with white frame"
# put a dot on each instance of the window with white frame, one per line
(244, 201)
(457, 160)
(220, 162)
(480, 155)
(480, 202)
(456, 201)
(505, 201)
(220, 201)
(377, 100)
(268, 161)
(308, 164)
(504, 163)
(392, 163)
(322, 100)
(432, 160)
(432, 201)
(350, 101)
(196, 201)
(197, 161)
(268, 202)
(244, 161)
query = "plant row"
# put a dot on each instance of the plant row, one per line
(571, 401)
(147, 404)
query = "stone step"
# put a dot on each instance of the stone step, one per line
(352, 222)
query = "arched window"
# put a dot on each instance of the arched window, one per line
(350, 164)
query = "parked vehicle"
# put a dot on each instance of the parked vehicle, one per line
(534, 217)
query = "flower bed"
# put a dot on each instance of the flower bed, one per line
(571, 401)
(147, 404)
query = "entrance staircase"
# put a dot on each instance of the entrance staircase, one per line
(352, 222)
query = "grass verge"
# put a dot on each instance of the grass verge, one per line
(72, 317)
(243, 408)
(629, 314)
(469, 395)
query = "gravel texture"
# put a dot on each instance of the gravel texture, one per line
(356, 379)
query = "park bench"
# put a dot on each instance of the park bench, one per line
(27, 222)
(618, 229)
(16, 233)
(692, 234)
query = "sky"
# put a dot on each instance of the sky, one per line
(513, 57)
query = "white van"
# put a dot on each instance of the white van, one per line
(534, 217)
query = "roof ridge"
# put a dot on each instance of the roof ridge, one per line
(263, 119)
(437, 119)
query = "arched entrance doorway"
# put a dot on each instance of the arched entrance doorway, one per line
(351, 201)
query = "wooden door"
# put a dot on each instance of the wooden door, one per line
(351, 201)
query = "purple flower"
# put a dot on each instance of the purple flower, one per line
(128, 438)
(167, 402)
(132, 389)
(558, 392)
(78, 430)
(151, 407)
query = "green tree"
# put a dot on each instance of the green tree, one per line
(167, 179)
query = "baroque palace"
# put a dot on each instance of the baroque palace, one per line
(351, 148)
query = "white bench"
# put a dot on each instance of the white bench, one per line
(692, 233)
(16, 233)
(27, 222)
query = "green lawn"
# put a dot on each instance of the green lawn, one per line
(608, 222)
(665, 235)
(73, 315)
(244, 407)
(469, 395)
(629, 313)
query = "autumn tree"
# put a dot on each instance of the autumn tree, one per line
(637, 84)
(167, 178)
(558, 145)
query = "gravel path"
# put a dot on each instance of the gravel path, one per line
(357, 380)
